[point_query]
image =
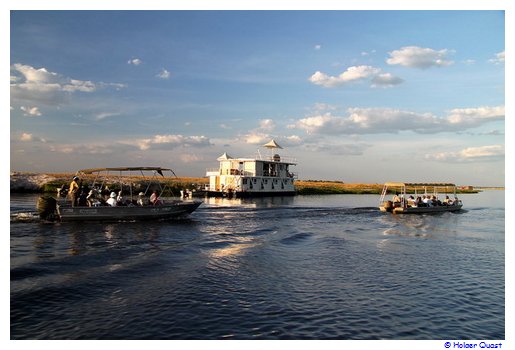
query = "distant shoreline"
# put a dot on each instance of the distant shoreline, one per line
(24, 182)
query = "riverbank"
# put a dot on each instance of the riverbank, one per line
(49, 183)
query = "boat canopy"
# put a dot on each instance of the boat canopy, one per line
(419, 184)
(98, 170)
(224, 156)
(272, 144)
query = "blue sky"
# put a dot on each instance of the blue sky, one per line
(356, 96)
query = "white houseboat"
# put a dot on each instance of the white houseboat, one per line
(268, 175)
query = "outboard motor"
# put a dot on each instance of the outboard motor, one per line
(47, 208)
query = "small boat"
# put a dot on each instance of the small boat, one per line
(129, 197)
(419, 198)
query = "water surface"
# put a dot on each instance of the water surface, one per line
(305, 267)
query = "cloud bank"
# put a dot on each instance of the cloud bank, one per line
(388, 120)
(41, 85)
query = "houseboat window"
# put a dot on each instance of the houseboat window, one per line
(244, 181)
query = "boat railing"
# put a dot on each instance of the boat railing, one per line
(281, 159)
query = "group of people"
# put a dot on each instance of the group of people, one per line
(80, 196)
(424, 201)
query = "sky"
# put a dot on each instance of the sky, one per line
(354, 96)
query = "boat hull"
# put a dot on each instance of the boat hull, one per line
(421, 210)
(127, 213)
(249, 194)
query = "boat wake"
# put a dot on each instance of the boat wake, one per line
(25, 217)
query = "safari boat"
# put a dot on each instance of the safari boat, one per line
(133, 195)
(419, 198)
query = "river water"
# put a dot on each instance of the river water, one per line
(304, 267)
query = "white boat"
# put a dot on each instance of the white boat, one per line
(252, 177)
(131, 203)
(419, 198)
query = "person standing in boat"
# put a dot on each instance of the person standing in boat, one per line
(73, 191)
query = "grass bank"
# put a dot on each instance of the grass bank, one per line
(49, 183)
(307, 187)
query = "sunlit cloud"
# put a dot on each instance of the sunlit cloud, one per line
(353, 74)
(29, 84)
(419, 57)
(388, 120)
(470, 154)
(104, 115)
(172, 141)
(30, 111)
(26, 137)
(499, 58)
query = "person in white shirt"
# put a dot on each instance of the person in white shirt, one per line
(112, 199)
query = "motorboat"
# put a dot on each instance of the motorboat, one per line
(119, 194)
(419, 198)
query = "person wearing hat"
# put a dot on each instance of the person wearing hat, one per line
(112, 199)
(73, 192)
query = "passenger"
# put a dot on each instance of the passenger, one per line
(112, 199)
(73, 192)
(83, 198)
(411, 201)
(119, 198)
(436, 201)
(396, 200)
(92, 198)
(418, 202)
(154, 199)
(447, 201)
(141, 199)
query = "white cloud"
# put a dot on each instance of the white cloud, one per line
(267, 125)
(317, 47)
(388, 120)
(255, 138)
(26, 137)
(104, 115)
(355, 73)
(470, 154)
(135, 61)
(163, 74)
(419, 57)
(499, 58)
(171, 141)
(475, 116)
(29, 84)
(30, 111)
(386, 80)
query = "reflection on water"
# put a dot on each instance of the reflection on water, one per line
(424, 225)
(306, 267)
